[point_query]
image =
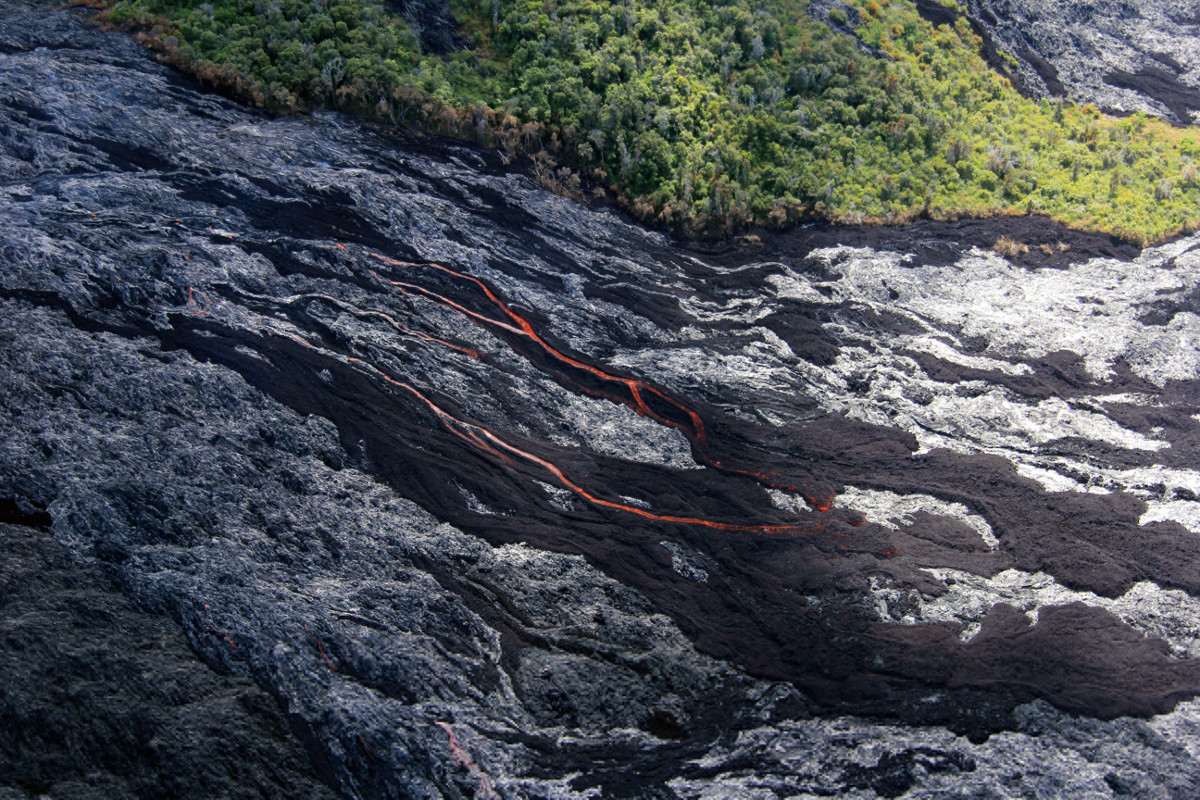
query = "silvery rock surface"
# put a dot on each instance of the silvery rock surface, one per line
(1121, 56)
(498, 496)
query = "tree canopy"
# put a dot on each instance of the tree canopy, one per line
(707, 115)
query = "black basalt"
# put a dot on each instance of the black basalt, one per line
(1123, 57)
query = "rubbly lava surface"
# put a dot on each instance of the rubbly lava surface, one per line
(497, 496)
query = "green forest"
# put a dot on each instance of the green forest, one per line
(704, 116)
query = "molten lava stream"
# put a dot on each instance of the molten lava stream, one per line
(484, 440)
(639, 391)
(524, 328)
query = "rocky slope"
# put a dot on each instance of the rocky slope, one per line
(1121, 56)
(501, 497)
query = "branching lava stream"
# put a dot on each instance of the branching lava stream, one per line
(636, 394)
(692, 425)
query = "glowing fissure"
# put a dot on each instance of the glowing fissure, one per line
(475, 434)
(823, 503)
(483, 790)
(485, 440)
(197, 303)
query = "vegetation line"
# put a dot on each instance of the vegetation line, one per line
(699, 115)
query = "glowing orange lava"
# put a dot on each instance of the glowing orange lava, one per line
(524, 328)
(197, 302)
(638, 390)
(484, 440)
(484, 790)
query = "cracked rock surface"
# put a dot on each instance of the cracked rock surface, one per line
(104, 700)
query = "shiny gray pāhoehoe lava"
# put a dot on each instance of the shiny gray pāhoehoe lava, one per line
(503, 497)
(1120, 55)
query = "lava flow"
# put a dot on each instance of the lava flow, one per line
(484, 440)
(638, 390)
(637, 394)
